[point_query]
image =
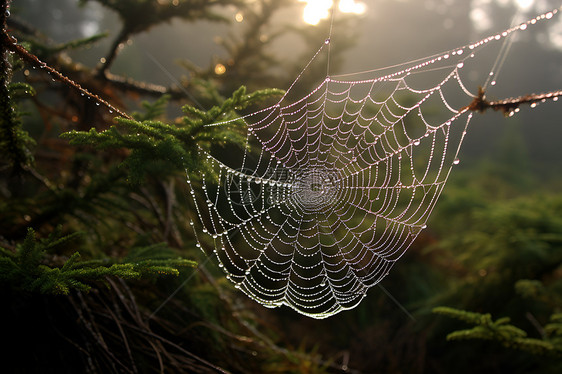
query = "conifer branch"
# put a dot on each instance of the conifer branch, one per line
(160, 148)
(14, 142)
(26, 268)
(508, 335)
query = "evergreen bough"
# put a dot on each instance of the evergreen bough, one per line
(27, 268)
(500, 330)
(160, 148)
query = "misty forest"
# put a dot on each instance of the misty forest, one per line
(281, 186)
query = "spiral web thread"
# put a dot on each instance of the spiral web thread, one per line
(331, 190)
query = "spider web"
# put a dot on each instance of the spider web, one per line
(331, 190)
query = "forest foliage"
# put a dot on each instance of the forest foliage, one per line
(99, 271)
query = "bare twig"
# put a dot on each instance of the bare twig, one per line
(510, 105)
(11, 44)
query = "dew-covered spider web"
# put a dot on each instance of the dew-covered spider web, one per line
(331, 190)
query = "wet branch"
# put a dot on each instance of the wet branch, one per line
(510, 105)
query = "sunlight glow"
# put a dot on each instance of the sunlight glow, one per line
(220, 69)
(350, 6)
(317, 10)
(524, 4)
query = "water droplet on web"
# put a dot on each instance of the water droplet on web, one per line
(417, 142)
(456, 162)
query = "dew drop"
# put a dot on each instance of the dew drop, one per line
(417, 142)
(456, 162)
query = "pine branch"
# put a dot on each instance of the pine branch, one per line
(160, 148)
(508, 335)
(27, 269)
(14, 141)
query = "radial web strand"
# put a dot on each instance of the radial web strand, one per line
(331, 190)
